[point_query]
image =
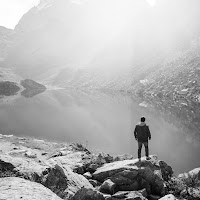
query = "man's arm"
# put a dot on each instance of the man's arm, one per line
(135, 132)
(149, 133)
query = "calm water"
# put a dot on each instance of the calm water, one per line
(103, 122)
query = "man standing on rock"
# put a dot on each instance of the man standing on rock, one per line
(142, 135)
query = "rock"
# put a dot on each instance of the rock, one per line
(132, 195)
(120, 194)
(184, 193)
(110, 169)
(61, 180)
(71, 159)
(134, 175)
(88, 194)
(94, 182)
(123, 157)
(107, 187)
(8, 88)
(32, 88)
(21, 142)
(183, 92)
(194, 192)
(8, 136)
(16, 152)
(31, 93)
(125, 177)
(144, 82)
(13, 188)
(32, 85)
(195, 173)
(131, 187)
(107, 196)
(22, 166)
(153, 197)
(168, 197)
(93, 167)
(87, 175)
(36, 140)
(30, 154)
(166, 170)
(143, 192)
(143, 104)
(108, 158)
(64, 182)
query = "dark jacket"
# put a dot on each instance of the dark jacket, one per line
(142, 132)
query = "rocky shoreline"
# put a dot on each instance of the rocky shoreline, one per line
(38, 169)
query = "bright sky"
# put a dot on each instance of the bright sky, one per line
(12, 10)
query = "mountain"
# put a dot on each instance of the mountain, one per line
(5, 41)
(175, 88)
(107, 36)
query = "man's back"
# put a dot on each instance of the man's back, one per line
(142, 133)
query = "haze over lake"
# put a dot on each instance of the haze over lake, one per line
(102, 122)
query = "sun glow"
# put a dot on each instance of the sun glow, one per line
(152, 3)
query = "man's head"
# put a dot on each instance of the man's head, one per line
(142, 119)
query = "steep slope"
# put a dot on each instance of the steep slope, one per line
(5, 41)
(175, 88)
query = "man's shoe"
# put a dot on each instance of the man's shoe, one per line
(148, 158)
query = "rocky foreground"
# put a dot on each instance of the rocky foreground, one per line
(37, 169)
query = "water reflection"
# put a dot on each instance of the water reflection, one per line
(104, 121)
(28, 93)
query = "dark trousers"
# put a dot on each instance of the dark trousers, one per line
(140, 149)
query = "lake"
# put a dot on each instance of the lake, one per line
(102, 122)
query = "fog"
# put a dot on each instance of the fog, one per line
(101, 122)
(108, 34)
(94, 51)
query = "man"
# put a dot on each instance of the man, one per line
(142, 135)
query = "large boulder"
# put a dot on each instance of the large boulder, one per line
(131, 195)
(195, 174)
(13, 188)
(88, 194)
(190, 184)
(60, 179)
(8, 88)
(135, 175)
(32, 85)
(108, 187)
(64, 182)
(194, 192)
(73, 159)
(168, 197)
(25, 167)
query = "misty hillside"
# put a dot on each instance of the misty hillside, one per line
(175, 88)
(5, 41)
(108, 43)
